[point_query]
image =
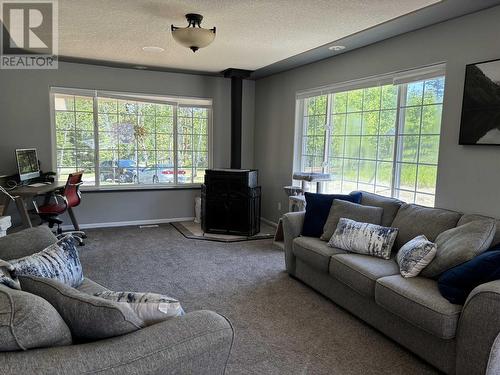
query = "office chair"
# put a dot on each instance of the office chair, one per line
(71, 197)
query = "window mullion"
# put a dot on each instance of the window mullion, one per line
(326, 151)
(176, 156)
(398, 148)
(95, 110)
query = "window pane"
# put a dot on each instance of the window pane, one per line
(65, 120)
(411, 123)
(107, 105)
(427, 178)
(410, 148)
(338, 122)
(387, 123)
(406, 196)
(431, 119)
(429, 149)
(371, 100)
(384, 174)
(353, 126)
(414, 93)
(367, 171)
(386, 148)
(85, 121)
(424, 199)
(64, 102)
(352, 145)
(340, 102)
(370, 123)
(355, 101)
(389, 97)
(336, 146)
(351, 170)
(434, 90)
(408, 176)
(368, 148)
(84, 104)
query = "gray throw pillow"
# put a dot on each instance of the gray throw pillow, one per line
(150, 307)
(364, 238)
(88, 317)
(59, 261)
(415, 255)
(353, 211)
(28, 321)
(459, 245)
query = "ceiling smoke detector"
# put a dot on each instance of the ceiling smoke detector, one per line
(193, 36)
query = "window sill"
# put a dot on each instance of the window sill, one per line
(108, 189)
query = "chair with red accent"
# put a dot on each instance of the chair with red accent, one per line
(52, 208)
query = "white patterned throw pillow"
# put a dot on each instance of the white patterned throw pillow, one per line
(150, 307)
(59, 261)
(415, 255)
(364, 238)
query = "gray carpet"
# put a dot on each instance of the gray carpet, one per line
(281, 325)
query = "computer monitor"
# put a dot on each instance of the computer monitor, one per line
(27, 164)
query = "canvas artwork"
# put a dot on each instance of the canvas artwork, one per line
(480, 123)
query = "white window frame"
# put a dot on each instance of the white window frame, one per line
(395, 78)
(176, 101)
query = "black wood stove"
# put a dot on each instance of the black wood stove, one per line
(230, 202)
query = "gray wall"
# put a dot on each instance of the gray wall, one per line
(25, 122)
(468, 176)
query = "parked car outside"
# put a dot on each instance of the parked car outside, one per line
(160, 173)
(122, 171)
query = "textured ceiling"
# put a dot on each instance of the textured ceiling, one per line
(250, 34)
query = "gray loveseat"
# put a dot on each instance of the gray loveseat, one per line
(456, 339)
(196, 343)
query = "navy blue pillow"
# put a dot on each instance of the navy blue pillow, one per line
(317, 210)
(457, 283)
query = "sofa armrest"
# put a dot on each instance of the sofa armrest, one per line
(478, 328)
(26, 242)
(196, 343)
(292, 227)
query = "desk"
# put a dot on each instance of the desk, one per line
(25, 194)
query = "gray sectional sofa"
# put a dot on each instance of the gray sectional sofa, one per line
(456, 339)
(196, 343)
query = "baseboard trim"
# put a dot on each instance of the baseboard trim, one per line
(113, 224)
(269, 222)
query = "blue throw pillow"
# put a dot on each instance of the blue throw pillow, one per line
(317, 210)
(457, 283)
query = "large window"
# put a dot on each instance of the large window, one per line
(382, 138)
(130, 140)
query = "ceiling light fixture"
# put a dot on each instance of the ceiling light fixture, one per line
(153, 49)
(336, 48)
(193, 36)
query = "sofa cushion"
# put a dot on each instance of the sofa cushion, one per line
(459, 245)
(360, 272)
(418, 301)
(25, 242)
(413, 220)
(317, 210)
(467, 218)
(314, 252)
(87, 316)
(28, 321)
(390, 205)
(344, 209)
